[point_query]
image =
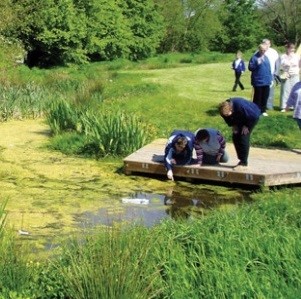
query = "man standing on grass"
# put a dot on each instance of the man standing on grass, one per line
(242, 115)
(261, 77)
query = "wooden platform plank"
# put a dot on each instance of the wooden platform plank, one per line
(267, 167)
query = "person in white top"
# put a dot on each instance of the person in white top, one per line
(273, 57)
(289, 69)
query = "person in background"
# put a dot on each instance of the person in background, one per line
(209, 145)
(242, 115)
(294, 100)
(261, 77)
(178, 150)
(273, 57)
(289, 68)
(238, 65)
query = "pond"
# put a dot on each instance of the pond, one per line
(179, 201)
(150, 208)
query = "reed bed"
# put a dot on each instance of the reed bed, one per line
(104, 133)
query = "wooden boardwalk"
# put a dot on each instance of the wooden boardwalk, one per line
(267, 167)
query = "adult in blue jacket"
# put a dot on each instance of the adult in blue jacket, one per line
(178, 150)
(261, 77)
(242, 115)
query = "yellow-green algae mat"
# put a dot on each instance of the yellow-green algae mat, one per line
(45, 188)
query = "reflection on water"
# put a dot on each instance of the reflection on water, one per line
(175, 204)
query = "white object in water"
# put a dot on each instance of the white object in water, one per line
(139, 201)
(23, 232)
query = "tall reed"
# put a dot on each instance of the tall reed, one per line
(107, 132)
(114, 263)
(116, 133)
(62, 116)
(3, 215)
(18, 102)
(15, 275)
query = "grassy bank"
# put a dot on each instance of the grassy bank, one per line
(250, 252)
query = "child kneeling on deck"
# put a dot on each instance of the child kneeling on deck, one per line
(178, 150)
(210, 147)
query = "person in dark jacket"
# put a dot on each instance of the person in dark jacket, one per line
(242, 115)
(261, 77)
(209, 145)
(238, 65)
(178, 150)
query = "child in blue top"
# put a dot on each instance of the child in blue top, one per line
(178, 150)
(238, 65)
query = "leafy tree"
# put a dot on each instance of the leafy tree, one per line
(146, 26)
(241, 26)
(189, 24)
(51, 30)
(174, 24)
(108, 31)
(282, 19)
(74, 31)
(6, 14)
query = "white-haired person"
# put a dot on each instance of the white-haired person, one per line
(294, 100)
(289, 69)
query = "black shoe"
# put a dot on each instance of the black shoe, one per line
(242, 164)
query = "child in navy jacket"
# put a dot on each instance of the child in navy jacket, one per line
(178, 150)
(238, 65)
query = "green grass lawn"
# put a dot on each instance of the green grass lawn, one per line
(187, 98)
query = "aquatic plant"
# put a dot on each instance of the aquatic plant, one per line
(19, 102)
(107, 132)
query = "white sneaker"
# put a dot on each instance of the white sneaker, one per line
(283, 110)
(265, 114)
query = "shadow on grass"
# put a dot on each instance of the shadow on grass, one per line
(212, 112)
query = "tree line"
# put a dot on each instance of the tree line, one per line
(58, 32)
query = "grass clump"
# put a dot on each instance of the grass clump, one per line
(96, 133)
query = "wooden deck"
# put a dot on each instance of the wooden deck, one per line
(266, 167)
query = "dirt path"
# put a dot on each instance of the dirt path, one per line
(46, 189)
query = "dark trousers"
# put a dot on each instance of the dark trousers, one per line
(261, 95)
(237, 81)
(242, 145)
